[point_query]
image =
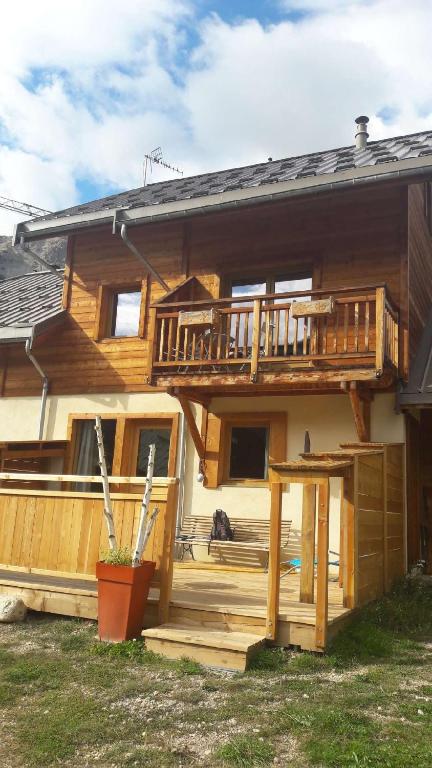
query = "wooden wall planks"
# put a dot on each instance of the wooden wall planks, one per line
(419, 266)
(353, 238)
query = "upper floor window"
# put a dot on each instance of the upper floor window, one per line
(125, 313)
(120, 311)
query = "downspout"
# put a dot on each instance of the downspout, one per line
(138, 255)
(45, 385)
(181, 467)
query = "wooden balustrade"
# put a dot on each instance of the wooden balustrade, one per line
(361, 328)
(63, 533)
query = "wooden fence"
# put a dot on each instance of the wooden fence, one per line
(62, 533)
(372, 552)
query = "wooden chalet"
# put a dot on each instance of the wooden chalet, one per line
(223, 317)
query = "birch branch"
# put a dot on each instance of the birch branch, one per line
(142, 536)
(105, 484)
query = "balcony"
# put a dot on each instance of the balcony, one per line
(324, 336)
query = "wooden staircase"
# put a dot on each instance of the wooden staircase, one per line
(210, 647)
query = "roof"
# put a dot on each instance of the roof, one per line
(418, 389)
(315, 164)
(317, 171)
(28, 304)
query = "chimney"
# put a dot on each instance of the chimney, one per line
(362, 135)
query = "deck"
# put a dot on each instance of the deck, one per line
(233, 600)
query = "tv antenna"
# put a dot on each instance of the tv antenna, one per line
(155, 156)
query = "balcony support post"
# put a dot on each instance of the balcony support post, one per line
(361, 411)
(193, 429)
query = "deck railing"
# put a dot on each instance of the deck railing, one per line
(62, 533)
(344, 326)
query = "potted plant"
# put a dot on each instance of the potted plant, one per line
(122, 594)
(123, 577)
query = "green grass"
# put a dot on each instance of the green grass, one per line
(66, 699)
(245, 752)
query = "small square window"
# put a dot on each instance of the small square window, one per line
(249, 453)
(125, 313)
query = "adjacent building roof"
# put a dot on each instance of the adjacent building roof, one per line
(387, 158)
(418, 389)
(29, 304)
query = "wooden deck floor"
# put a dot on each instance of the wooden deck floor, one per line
(245, 593)
(207, 597)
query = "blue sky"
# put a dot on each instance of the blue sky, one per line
(86, 91)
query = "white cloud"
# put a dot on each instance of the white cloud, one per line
(86, 90)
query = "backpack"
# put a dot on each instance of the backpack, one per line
(221, 529)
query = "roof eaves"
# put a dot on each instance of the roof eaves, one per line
(396, 170)
(11, 334)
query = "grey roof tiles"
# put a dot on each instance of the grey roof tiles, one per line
(315, 164)
(30, 299)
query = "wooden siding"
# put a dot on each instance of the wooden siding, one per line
(353, 238)
(419, 266)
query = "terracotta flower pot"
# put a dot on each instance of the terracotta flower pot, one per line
(122, 597)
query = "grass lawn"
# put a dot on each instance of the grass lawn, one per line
(66, 699)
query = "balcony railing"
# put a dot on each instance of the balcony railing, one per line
(344, 327)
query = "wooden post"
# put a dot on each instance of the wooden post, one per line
(322, 565)
(349, 536)
(308, 544)
(274, 559)
(152, 339)
(256, 333)
(380, 331)
(105, 485)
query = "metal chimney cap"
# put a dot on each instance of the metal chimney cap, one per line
(362, 119)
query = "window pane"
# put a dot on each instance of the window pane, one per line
(161, 439)
(126, 313)
(288, 285)
(87, 457)
(248, 288)
(248, 457)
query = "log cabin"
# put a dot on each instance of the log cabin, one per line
(224, 317)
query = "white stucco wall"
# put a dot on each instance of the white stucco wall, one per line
(328, 418)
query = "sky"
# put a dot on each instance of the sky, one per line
(88, 87)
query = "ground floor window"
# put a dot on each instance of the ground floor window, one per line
(248, 452)
(127, 439)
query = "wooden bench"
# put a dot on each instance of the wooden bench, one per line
(248, 532)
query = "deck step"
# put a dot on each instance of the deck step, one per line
(210, 647)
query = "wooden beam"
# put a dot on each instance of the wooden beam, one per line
(308, 544)
(256, 333)
(322, 566)
(349, 539)
(193, 429)
(53, 478)
(274, 560)
(358, 413)
(380, 330)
